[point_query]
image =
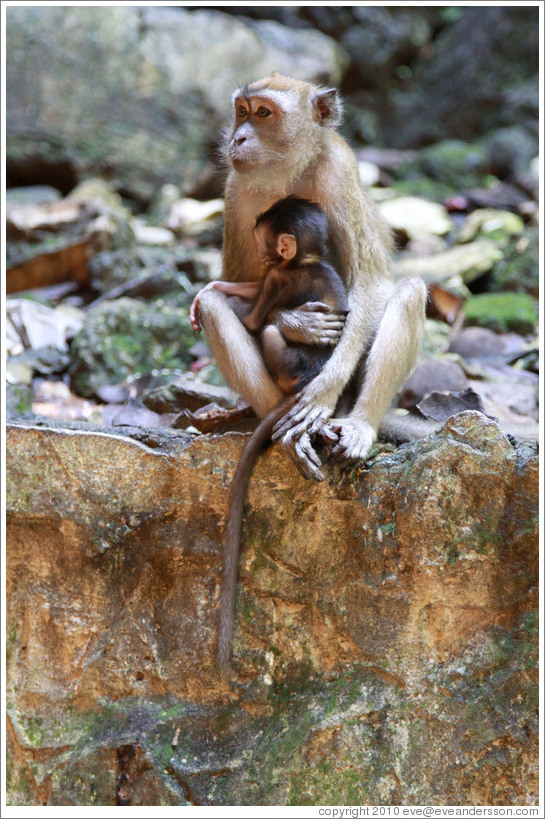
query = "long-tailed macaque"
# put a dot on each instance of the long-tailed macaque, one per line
(282, 143)
(291, 242)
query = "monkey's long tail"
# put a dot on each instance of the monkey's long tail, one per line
(233, 530)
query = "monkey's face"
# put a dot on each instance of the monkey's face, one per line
(261, 237)
(257, 137)
(265, 244)
(277, 121)
(274, 249)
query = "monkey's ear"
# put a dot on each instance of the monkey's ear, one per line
(327, 107)
(286, 246)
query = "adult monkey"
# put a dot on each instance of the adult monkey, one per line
(283, 142)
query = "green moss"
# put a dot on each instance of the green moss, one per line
(503, 312)
(442, 169)
(388, 528)
(19, 399)
(323, 784)
(127, 338)
(423, 187)
(518, 269)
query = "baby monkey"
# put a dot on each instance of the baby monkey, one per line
(291, 239)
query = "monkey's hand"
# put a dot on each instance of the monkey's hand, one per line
(251, 323)
(308, 415)
(355, 437)
(311, 323)
(304, 457)
(194, 316)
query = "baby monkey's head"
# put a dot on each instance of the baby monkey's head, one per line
(292, 232)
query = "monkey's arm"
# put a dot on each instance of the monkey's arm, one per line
(313, 323)
(267, 299)
(245, 290)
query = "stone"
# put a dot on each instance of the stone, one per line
(433, 374)
(481, 74)
(128, 338)
(478, 342)
(451, 161)
(386, 623)
(511, 150)
(33, 325)
(32, 194)
(101, 193)
(452, 268)
(502, 312)
(416, 217)
(156, 111)
(185, 392)
(518, 270)
(498, 224)
(151, 234)
(190, 217)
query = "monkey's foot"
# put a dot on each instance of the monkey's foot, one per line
(301, 452)
(355, 439)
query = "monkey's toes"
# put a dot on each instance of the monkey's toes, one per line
(302, 453)
(355, 440)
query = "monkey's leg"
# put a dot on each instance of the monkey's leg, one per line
(241, 363)
(237, 353)
(391, 357)
(277, 358)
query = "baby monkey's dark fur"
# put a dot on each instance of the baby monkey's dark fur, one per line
(292, 237)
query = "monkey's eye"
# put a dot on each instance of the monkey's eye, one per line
(241, 111)
(263, 112)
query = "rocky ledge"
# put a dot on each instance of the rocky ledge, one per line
(385, 623)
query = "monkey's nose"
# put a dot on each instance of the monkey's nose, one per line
(239, 140)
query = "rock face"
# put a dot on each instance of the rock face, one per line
(385, 623)
(154, 88)
(470, 81)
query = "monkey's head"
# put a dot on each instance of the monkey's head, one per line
(293, 231)
(279, 120)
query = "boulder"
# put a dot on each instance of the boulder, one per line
(481, 74)
(492, 222)
(385, 623)
(127, 337)
(153, 89)
(452, 161)
(416, 217)
(454, 267)
(503, 312)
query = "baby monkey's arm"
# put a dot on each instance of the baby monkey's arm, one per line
(245, 290)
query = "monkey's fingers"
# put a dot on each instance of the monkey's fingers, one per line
(316, 421)
(315, 307)
(329, 435)
(292, 425)
(194, 316)
(302, 418)
(302, 453)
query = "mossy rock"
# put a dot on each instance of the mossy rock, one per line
(128, 338)
(18, 399)
(502, 312)
(451, 164)
(423, 187)
(518, 269)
